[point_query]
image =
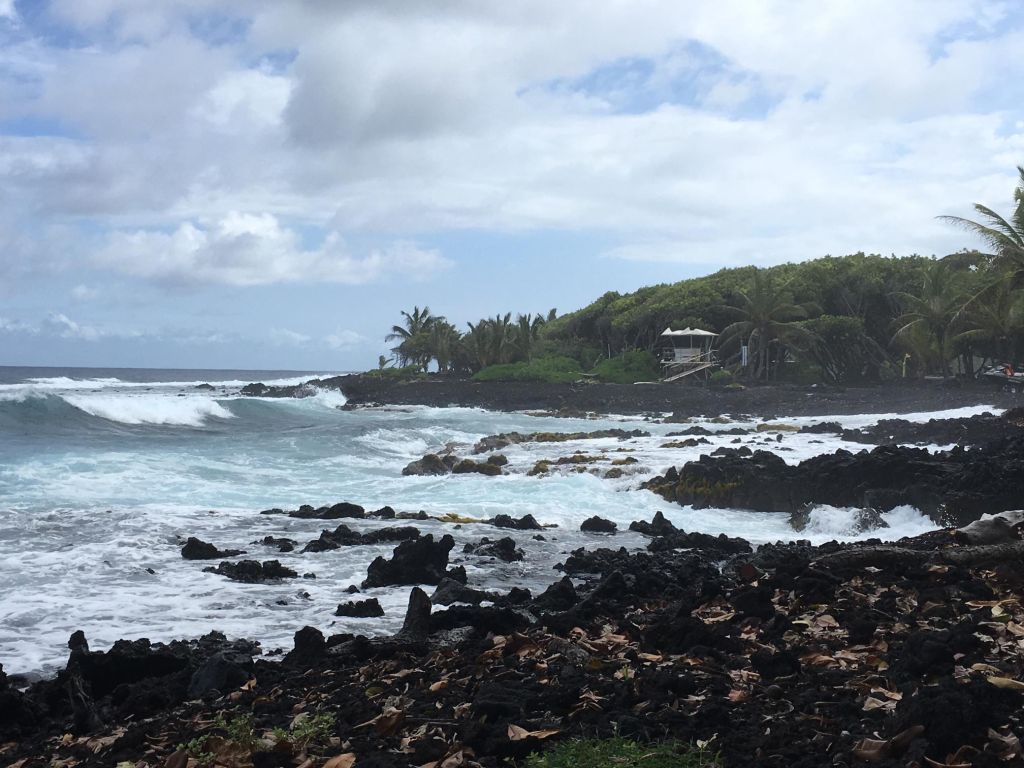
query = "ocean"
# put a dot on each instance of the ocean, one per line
(105, 473)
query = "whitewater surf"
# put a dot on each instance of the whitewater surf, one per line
(102, 478)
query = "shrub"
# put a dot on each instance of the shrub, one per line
(721, 378)
(601, 753)
(549, 370)
(408, 372)
(629, 367)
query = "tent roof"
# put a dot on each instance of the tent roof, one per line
(687, 332)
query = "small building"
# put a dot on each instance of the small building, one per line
(686, 351)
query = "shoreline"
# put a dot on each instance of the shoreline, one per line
(768, 401)
(845, 650)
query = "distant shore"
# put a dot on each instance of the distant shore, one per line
(636, 399)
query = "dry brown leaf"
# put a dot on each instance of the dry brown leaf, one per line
(387, 722)
(871, 704)
(819, 660)
(871, 750)
(736, 695)
(1006, 682)
(948, 764)
(850, 656)
(440, 685)
(249, 685)
(97, 745)
(177, 759)
(341, 761)
(455, 760)
(891, 695)
(1007, 747)
(874, 751)
(516, 733)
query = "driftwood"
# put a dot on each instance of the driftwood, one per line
(882, 555)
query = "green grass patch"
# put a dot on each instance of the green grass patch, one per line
(623, 753)
(629, 367)
(548, 370)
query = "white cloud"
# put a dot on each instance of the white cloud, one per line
(286, 337)
(344, 339)
(255, 249)
(84, 292)
(7, 325)
(779, 130)
(61, 325)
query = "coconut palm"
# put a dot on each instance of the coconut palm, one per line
(1004, 236)
(444, 343)
(412, 346)
(526, 333)
(995, 327)
(926, 322)
(766, 322)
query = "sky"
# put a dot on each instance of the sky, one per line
(243, 184)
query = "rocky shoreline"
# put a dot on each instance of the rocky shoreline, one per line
(655, 398)
(901, 654)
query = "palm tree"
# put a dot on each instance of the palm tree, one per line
(526, 333)
(996, 325)
(928, 316)
(1006, 237)
(767, 323)
(411, 349)
(444, 342)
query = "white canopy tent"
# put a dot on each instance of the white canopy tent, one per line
(687, 332)
(686, 345)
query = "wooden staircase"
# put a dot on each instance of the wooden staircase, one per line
(697, 368)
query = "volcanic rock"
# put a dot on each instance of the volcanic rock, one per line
(343, 536)
(504, 549)
(333, 512)
(468, 466)
(196, 549)
(416, 561)
(430, 464)
(360, 609)
(253, 571)
(597, 524)
(524, 523)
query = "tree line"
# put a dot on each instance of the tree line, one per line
(424, 338)
(861, 317)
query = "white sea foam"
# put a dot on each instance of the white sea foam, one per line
(150, 409)
(842, 523)
(82, 519)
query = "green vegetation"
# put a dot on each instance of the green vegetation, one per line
(312, 729)
(549, 370)
(602, 753)
(240, 730)
(847, 319)
(720, 378)
(405, 373)
(638, 365)
(197, 749)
